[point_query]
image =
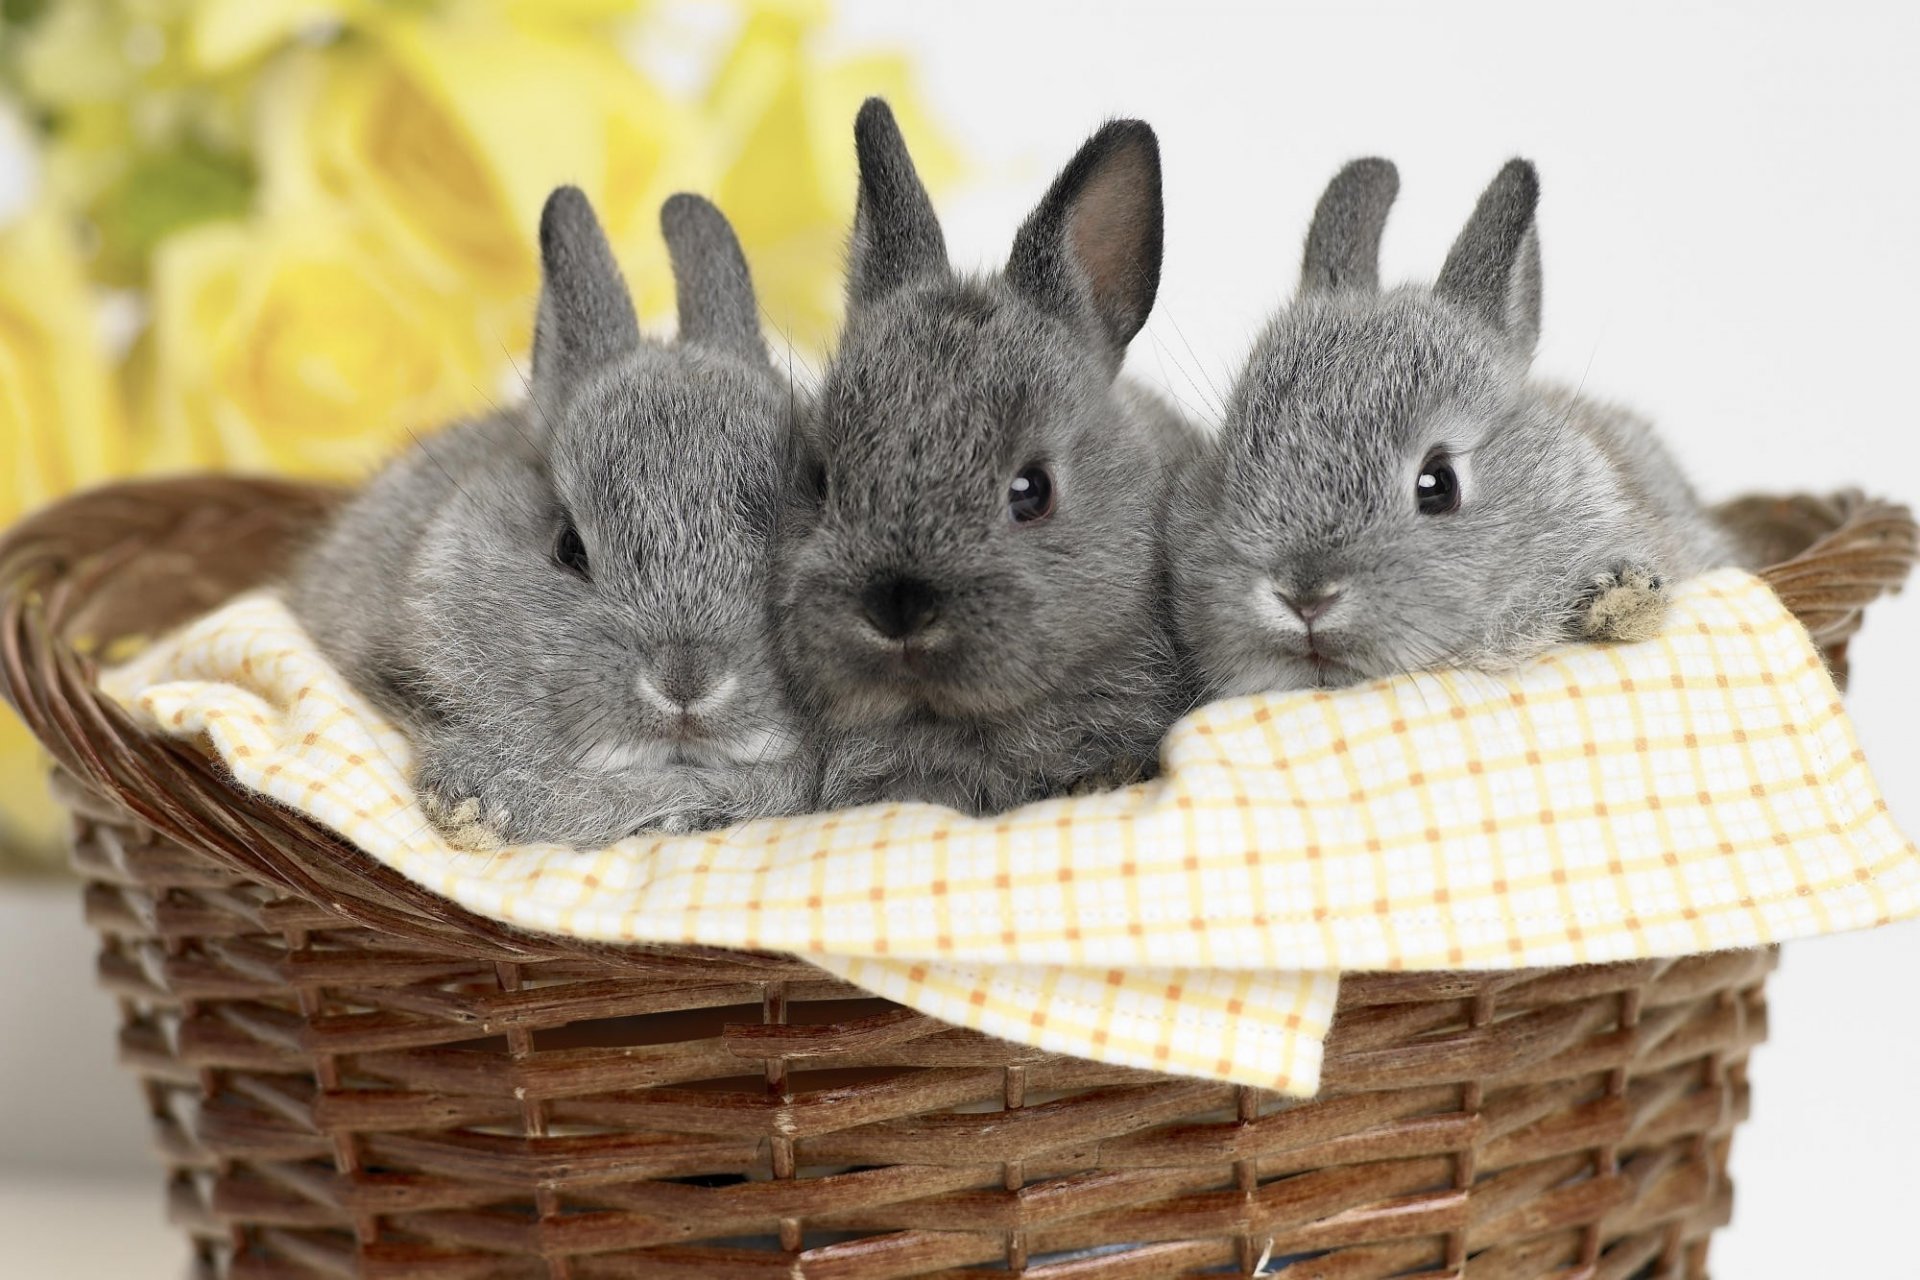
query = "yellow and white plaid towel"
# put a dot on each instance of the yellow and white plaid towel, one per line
(1696, 792)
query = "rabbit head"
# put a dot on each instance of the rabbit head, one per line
(605, 582)
(1387, 493)
(977, 538)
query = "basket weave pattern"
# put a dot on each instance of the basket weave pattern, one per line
(349, 1076)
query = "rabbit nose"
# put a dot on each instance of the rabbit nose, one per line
(898, 606)
(685, 679)
(1312, 604)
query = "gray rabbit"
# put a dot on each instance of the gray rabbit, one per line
(1389, 490)
(565, 603)
(969, 592)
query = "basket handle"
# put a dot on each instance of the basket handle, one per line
(1828, 557)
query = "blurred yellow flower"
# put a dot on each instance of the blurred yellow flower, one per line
(296, 345)
(60, 421)
(227, 32)
(449, 135)
(223, 34)
(60, 427)
(788, 170)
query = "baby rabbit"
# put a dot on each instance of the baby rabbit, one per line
(1389, 492)
(565, 604)
(969, 595)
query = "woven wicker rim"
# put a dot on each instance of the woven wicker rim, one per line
(139, 558)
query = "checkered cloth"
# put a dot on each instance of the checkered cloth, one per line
(1696, 792)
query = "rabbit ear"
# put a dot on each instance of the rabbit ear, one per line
(1343, 245)
(1093, 245)
(896, 237)
(1494, 267)
(711, 281)
(586, 317)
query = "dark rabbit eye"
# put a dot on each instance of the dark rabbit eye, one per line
(1437, 489)
(1030, 496)
(570, 552)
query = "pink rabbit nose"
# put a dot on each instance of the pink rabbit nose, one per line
(682, 675)
(685, 682)
(1312, 605)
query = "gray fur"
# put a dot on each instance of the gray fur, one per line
(541, 703)
(896, 234)
(1493, 269)
(586, 317)
(1573, 516)
(1090, 252)
(712, 287)
(1343, 244)
(1047, 663)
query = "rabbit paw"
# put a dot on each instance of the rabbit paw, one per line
(462, 799)
(1628, 602)
(1119, 773)
(463, 822)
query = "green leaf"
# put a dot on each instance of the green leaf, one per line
(167, 192)
(19, 13)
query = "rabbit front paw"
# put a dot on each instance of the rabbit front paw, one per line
(1627, 602)
(464, 822)
(461, 805)
(1124, 771)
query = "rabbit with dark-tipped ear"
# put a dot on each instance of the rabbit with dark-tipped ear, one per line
(1390, 492)
(565, 604)
(968, 595)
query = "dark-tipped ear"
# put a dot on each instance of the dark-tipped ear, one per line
(1493, 269)
(711, 282)
(1092, 246)
(1343, 245)
(586, 316)
(896, 237)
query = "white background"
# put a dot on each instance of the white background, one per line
(1729, 225)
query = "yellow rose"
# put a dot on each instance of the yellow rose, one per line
(60, 421)
(786, 126)
(449, 132)
(576, 12)
(227, 32)
(222, 34)
(296, 345)
(60, 428)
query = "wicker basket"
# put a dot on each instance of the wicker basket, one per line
(348, 1076)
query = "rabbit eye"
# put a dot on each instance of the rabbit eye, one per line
(570, 552)
(1030, 496)
(1438, 489)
